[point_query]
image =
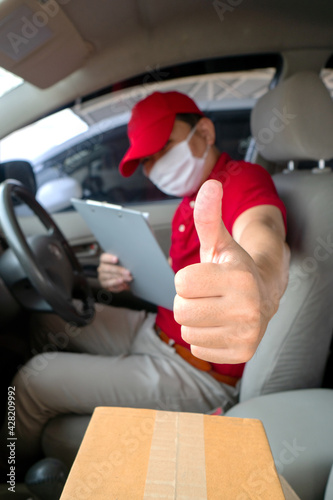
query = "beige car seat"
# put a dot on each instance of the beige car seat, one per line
(295, 348)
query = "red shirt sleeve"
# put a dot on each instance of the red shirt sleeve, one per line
(245, 185)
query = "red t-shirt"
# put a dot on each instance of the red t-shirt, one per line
(245, 185)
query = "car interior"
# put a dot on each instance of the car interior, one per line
(76, 54)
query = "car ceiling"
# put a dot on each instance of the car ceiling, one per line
(113, 41)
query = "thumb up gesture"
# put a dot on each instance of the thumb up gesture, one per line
(221, 303)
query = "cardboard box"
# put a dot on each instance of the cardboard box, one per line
(134, 454)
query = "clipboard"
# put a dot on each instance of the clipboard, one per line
(127, 234)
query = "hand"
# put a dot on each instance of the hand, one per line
(221, 302)
(112, 276)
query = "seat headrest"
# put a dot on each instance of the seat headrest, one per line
(294, 121)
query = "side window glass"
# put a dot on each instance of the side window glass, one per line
(93, 163)
(83, 145)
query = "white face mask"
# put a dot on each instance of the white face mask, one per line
(178, 172)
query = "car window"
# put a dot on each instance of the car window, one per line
(91, 158)
(94, 162)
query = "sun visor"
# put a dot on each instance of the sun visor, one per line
(38, 42)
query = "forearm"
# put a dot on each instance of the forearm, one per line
(265, 243)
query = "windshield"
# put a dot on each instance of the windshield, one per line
(8, 81)
(31, 142)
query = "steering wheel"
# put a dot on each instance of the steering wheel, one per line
(46, 259)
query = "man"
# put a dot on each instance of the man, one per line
(179, 160)
(139, 359)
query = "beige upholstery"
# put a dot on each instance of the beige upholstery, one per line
(294, 350)
(299, 427)
(294, 121)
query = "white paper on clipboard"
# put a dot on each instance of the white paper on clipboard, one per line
(127, 234)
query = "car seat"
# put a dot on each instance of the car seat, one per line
(294, 350)
(294, 121)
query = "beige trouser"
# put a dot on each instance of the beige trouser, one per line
(118, 360)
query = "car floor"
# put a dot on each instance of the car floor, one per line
(21, 493)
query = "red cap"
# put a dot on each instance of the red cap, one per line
(151, 124)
